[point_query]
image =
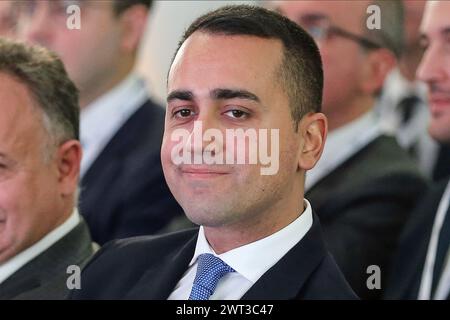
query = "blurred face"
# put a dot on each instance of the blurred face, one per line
(7, 18)
(91, 54)
(29, 198)
(413, 16)
(230, 82)
(434, 68)
(342, 58)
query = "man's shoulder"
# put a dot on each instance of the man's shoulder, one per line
(140, 250)
(119, 266)
(384, 155)
(384, 160)
(328, 275)
(381, 166)
(44, 277)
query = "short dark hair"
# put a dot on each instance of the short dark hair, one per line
(301, 69)
(121, 5)
(44, 75)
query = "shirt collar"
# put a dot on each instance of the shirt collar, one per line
(254, 259)
(101, 120)
(397, 87)
(115, 105)
(342, 144)
(8, 268)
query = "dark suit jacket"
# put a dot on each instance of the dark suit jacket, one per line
(363, 205)
(409, 260)
(45, 277)
(150, 268)
(124, 192)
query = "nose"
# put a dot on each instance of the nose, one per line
(205, 133)
(431, 68)
(36, 25)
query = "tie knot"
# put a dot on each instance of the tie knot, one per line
(210, 270)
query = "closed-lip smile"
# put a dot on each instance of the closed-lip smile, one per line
(203, 171)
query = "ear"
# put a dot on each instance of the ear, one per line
(68, 165)
(313, 128)
(377, 66)
(134, 22)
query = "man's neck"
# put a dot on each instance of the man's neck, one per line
(338, 117)
(90, 93)
(258, 226)
(409, 62)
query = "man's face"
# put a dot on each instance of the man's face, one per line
(91, 54)
(434, 68)
(229, 82)
(28, 184)
(342, 58)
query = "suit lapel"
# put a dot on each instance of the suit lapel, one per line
(286, 279)
(11, 289)
(159, 282)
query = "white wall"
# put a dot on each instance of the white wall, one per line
(167, 22)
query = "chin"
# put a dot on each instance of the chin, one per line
(206, 217)
(441, 135)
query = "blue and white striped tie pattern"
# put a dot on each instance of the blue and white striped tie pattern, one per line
(210, 270)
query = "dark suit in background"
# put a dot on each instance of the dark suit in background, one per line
(150, 268)
(124, 192)
(409, 260)
(442, 167)
(363, 205)
(45, 277)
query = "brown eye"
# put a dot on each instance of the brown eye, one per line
(183, 113)
(237, 114)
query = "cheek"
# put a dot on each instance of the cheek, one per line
(13, 213)
(166, 160)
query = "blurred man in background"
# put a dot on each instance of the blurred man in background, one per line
(402, 108)
(123, 189)
(41, 232)
(421, 269)
(364, 184)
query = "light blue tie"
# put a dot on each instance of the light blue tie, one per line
(209, 271)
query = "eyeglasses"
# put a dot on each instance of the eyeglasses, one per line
(320, 28)
(56, 7)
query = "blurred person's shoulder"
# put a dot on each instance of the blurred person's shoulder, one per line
(118, 267)
(129, 250)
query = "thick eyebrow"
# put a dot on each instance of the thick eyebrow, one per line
(224, 94)
(313, 17)
(180, 95)
(216, 94)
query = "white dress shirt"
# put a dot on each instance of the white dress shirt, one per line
(342, 144)
(101, 120)
(9, 267)
(443, 287)
(250, 261)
